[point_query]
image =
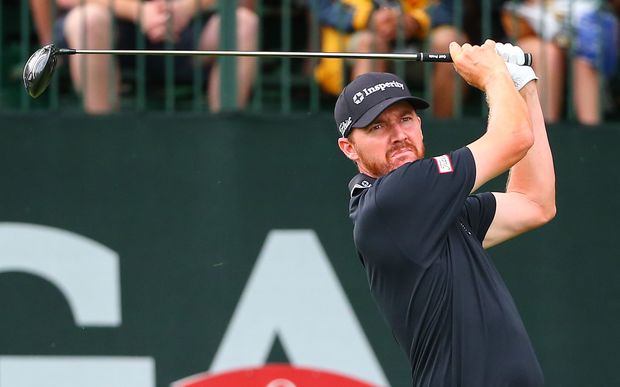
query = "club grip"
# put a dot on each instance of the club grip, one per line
(447, 58)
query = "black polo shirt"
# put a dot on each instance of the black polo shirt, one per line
(419, 235)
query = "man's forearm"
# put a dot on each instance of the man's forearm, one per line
(203, 5)
(508, 113)
(124, 9)
(534, 175)
(41, 11)
(206, 4)
(509, 131)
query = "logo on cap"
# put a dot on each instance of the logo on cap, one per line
(383, 86)
(360, 95)
(342, 128)
(358, 98)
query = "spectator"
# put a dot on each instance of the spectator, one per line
(589, 31)
(365, 26)
(88, 24)
(444, 31)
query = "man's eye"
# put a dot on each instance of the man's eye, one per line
(407, 118)
(375, 127)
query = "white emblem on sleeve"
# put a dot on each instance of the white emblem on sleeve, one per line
(444, 165)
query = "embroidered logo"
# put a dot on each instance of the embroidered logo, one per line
(360, 95)
(361, 185)
(358, 98)
(344, 125)
(444, 165)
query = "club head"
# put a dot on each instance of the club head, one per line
(39, 69)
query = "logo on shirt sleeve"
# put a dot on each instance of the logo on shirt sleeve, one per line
(444, 164)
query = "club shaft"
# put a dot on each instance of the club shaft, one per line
(413, 57)
(416, 57)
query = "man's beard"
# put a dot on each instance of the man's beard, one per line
(381, 168)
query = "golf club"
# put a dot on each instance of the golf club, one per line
(40, 66)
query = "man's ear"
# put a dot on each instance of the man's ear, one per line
(347, 148)
(421, 132)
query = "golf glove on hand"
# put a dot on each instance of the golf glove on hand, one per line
(510, 53)
(515, 58)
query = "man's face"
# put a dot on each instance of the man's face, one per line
(391, 140)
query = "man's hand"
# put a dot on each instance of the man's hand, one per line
(510, 53)
(515, 58)
(182, 12)
(154, 19)
(478, 65)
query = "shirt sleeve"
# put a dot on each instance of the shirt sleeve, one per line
(419, 201)
(479, 212)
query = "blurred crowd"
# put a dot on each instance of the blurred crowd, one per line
(574, 42)
(104, 24)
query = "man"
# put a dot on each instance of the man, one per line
(422, 237)
(105, 24)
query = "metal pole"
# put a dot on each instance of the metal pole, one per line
(24, 18)
(285, 70)
(457, 108)
(169, 65)
(228, 67)
(257, 95)
(315, 37)
(140, 65)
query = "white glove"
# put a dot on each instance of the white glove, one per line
(521, 75)
(510, 53)
(515, 58)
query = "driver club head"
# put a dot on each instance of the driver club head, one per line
(39, 69)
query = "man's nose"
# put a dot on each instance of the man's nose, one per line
(398, 132)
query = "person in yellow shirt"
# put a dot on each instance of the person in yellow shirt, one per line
(365, 26)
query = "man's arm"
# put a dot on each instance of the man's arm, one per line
(41, 15)
(204, 4)
(124, 9)
(509, 131)
(529, 200)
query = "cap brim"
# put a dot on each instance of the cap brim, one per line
(374, 112)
